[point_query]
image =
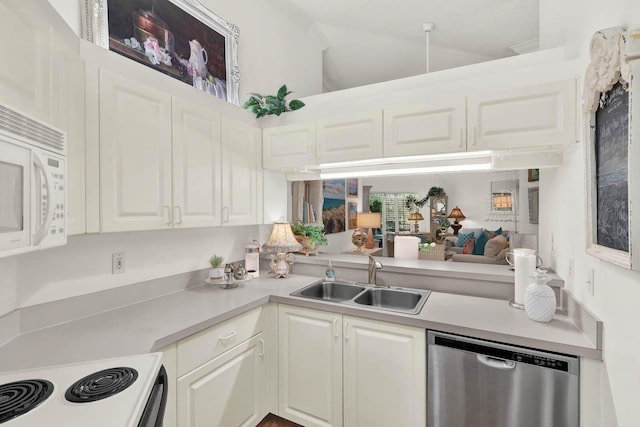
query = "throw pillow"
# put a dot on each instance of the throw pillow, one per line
(462, 238)
(480, 242)
(495, 245)
(468, 247)
(497, 232)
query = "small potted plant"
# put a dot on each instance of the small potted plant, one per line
(216, 272)
(262, 105)
(309, 236)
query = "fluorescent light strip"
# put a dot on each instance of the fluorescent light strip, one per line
(405, 171)
(407, 159)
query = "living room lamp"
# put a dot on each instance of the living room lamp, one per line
(416, 216)
(369, 220)
(281, 243)
(457, 215)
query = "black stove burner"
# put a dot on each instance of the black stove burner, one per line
(20, 397)
(101, 384)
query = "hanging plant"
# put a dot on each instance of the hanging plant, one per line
(263, 105)
(413, 203)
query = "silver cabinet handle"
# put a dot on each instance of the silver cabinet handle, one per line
(226, 340)
(178, 216)
(494, 362)
(167, 216)
(261, 354)
(335, 328)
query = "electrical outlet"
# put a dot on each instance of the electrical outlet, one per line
(571, 270)
(591, 282)
(117, 263)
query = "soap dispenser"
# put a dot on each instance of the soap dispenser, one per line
(330, 274)
(539, 298)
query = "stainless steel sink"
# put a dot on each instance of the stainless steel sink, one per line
(402, 300)
(409, 301)
(330, 291)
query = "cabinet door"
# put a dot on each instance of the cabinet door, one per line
(429, 129)
(537, 115)
(197, 177)
(310, 366)
(384, 374)
(135, 155)
(227, 391)
(239, 173)
(352, 138)
(289, 147)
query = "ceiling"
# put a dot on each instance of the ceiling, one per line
(370, 41)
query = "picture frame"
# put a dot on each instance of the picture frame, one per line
(610, 181)
(180, 38)
(352, 187)
(334, 208)
(533, 175)
(353, 215)
(534, 204)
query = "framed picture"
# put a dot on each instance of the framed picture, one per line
(353, 215)
(333, 206)
(607, 104)
(352, 187)
(180, 38)
(534, 203)
(533, 175)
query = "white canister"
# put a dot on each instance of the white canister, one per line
(525, 265)
(539, 298)
(252, 259)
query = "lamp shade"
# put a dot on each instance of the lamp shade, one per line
(369, 220)
(416, 216)
(457, 214)
(281, 239)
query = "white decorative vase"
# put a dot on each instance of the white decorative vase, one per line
(216, 273)
(539, 298)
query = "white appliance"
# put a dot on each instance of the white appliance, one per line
(32, 184)
(123, 392)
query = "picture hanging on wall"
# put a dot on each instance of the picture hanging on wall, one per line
(333, 208)
(179, 38)
(353, 215)
(352, 187)
(533, 175)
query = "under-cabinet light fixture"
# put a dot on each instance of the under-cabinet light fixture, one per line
(408, 159)
(397, 170)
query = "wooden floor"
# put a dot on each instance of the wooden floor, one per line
(275, 421)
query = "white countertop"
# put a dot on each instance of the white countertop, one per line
(155, 323)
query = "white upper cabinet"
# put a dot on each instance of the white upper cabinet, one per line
(239, 173)
(135, 155)
(356, 137)
(539, 115)
(289, 147)
(197, 177)
(429, 129)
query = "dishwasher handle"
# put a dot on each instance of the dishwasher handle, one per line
(497, 363)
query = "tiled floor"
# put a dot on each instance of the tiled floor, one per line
(275, 421)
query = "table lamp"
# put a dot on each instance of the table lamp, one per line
(416, 216)
(457, 215)
(369, 220)
(281, 243)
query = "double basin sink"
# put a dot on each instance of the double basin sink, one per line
(409, 301)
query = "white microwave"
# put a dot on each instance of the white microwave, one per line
(32, 184)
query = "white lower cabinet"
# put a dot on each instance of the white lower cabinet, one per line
(339, 370)
(228, 391)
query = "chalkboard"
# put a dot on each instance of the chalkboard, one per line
(612, 163)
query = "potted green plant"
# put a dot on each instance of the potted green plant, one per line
(309, 236)
(216, 272)
(263, 105)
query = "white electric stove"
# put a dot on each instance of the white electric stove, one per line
(122, 392)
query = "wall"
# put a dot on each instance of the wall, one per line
(616, 290)
(276, 46)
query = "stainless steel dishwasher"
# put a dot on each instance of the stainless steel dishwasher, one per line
(476, 383)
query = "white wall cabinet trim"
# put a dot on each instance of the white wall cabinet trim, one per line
(357, 137)
(435, 128)
(529, 116)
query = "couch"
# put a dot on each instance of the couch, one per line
(494, 250)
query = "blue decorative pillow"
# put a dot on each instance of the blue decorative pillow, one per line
(497, 232)
(463, 237)
(480, 242)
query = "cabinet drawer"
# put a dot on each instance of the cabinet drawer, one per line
(205, 345)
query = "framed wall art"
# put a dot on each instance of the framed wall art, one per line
(353, 215)
(352, 187)
(333, 206)
(180, 38)
(608, 107)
